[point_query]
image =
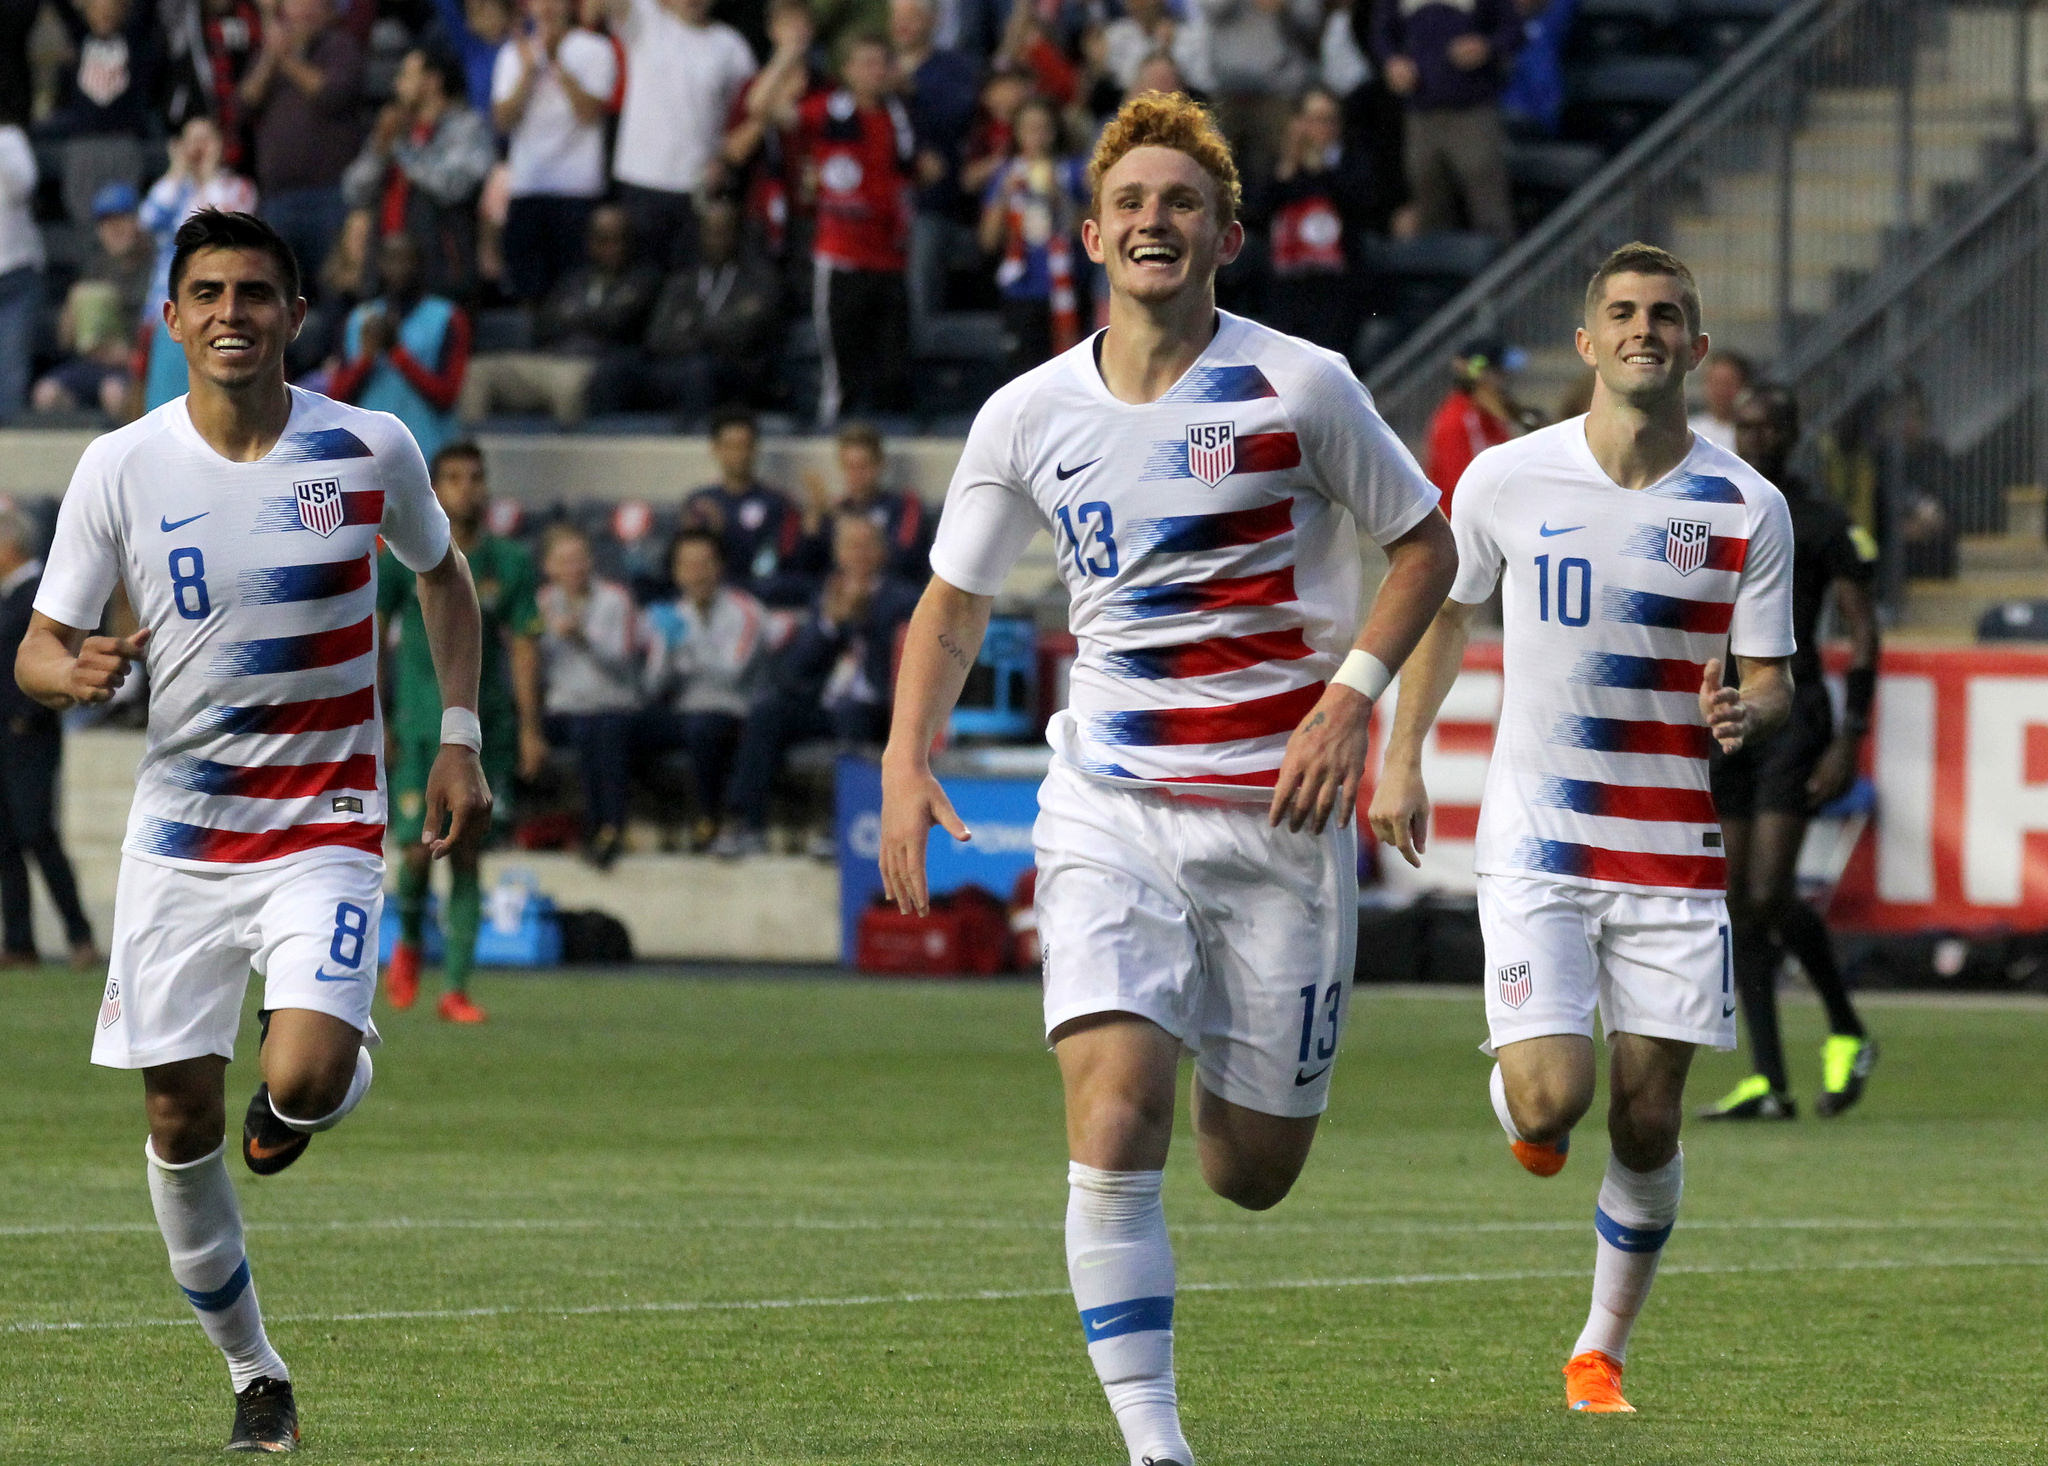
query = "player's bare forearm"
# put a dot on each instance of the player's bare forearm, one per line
(1766, 686)
(938, 651)
(1421, 565)
(1399, 813)
(455, 628)
(61, 666)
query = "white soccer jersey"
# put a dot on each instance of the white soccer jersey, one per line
(1207, 540)
(259, 583)
(1614, 601)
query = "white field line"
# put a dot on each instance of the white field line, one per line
(1364, 1226)
(996, 1295)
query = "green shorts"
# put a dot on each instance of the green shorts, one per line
(409, 782)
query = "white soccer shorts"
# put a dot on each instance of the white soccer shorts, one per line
(185, 941)
(1655, 965)
(1236, 938)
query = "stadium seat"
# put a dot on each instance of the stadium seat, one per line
(1545, 174)
(502, 328)
(1612, 101)
(2015, 621)
(1606, 29)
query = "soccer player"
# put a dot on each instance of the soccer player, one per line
(508, 705)
(242, 521)
(1633, 552)
(1766, 794)
(1205, 480)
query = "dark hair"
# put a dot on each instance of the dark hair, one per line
(443, 64)
(1646, 259)
(734, 417)
(1779, 405)
(1744, 367)
(697, 537)
(460, 448)
(220, 229)
(862, 435)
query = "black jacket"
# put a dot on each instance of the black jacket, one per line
(20, 715)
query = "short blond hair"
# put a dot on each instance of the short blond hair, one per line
(1637, 258)
(1168, 120)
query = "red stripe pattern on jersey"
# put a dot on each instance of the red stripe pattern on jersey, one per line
(1628, 735)
(1653, 542)
(280, 513)
(1143, 602)
(1254, 453)
(1640, 674)
(315, 715)
(1626, 801)
(1670, 613)
(176, 841)
(272, 781)
(1207, 658)
(295, 653)
(1625, 867)
(1186, 534)
(1260, 718)
(286, 584)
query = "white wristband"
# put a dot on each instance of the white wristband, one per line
(1364, 673)
(459, 725)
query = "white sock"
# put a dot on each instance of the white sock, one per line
(1633, 1219)
(1497, 1088)
(357, 1088)
(1121, 1266)
(202, 1227)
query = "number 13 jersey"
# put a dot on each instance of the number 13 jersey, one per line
(1614, 601)
(258, 582)
(1207, 540)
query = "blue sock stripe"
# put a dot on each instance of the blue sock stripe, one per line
(1630, 1239)
(225, 1295)
(1132, 1316)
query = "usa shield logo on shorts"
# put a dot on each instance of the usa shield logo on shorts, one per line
(1212, 451)
(321, 508)
(1685, 544)
(1515, 984)
(110, 1007)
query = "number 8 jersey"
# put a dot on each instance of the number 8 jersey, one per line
(1209, 541)
(1614, 601)
(258, 581)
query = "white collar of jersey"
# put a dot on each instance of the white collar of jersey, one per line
(1582, 450)
(1228, 328)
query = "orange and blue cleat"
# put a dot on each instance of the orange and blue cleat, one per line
(1592, 1383)
(1542, 1158)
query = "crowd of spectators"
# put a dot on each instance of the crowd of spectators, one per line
(628, 205)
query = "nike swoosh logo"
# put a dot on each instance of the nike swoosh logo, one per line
(1063, 474)
(1302, 1077)
(270, 1152)
(1546, 531)
(1101, 1324)
(1727, 1012)
(325, 976)
(171, 524)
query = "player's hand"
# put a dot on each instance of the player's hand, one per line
(1399, 812)
(1833, 772)
(1728, 717)
(912, 802)
(458, 795)
(101, 665)
(1325, 760)
(533, 751)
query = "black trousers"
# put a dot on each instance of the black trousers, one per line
(28, 830)
(863, 320)
(664, 226)
(543, 241)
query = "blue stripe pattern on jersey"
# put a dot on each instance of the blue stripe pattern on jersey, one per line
(287, 583)
(201, 776)
(1577, 795)
(1188, 534)
(323, 446)
(1646, 542)
(215, 1299)
(1166, 460)
(1557, 857)
(1221, 384)
(1611, 669)
(1630, 1239)
(1698, 488)
(1132, 1316)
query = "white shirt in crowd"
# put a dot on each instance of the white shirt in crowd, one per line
(21, 243)
(706, 661)
(596, 670)
(550, 151)
(1614, 600)
(680, 82)
(1209, 540)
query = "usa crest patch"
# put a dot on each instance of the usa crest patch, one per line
(1212, 451)
(110, 1006)
(1685, 544)
(1515, 984)
(321, 507)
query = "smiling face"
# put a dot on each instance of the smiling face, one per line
(696, 568)
(233, 318)
(1159, 230)
(1638, 338)
(567, 564)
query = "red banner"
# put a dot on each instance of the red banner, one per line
(1958, 754)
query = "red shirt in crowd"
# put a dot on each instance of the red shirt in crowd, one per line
(859, 159)
(1459, 433)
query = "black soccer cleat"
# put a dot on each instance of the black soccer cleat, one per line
(268, 1144)
(266, 1417)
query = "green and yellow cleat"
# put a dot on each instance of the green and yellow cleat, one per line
(1845, 1064)
(1753, 1099)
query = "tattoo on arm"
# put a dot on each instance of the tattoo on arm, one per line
(954, 650)
(1317, 721)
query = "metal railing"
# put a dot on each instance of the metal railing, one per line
(1797, 171)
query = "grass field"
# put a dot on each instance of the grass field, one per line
(765, 1221)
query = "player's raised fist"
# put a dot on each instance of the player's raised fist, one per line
(1726, 713)
(102, 665)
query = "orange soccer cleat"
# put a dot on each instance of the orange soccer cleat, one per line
(1592, 1383)
(1542, 1158)
(402, 975)
(457, 1008)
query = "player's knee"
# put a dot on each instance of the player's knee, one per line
(1255, 1188)
(183, 1128)
(1547, 1106)
(1643, 1128)
(314, 1090)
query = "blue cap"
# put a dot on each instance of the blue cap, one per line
(114, 198)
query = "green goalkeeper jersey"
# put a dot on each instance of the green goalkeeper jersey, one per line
(505, 584)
